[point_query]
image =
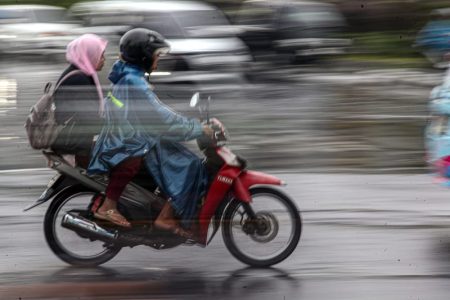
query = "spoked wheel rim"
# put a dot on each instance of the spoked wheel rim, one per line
(73, 244)
(269, 238)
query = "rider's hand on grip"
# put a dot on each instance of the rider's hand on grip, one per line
(217, 123)
(219, 130)
(208, 131)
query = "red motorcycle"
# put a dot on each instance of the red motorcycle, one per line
(261, 226)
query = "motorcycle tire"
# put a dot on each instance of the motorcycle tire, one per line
(56, 245)
(228, 225)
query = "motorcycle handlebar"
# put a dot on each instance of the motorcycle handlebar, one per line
(216, 128)
(219, 131)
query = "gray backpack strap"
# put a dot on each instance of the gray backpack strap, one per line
(60, 82)
(66, 77)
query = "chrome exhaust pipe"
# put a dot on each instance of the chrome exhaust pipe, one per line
(92, 230)
(84, 226)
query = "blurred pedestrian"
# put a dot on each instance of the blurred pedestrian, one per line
(79, 99)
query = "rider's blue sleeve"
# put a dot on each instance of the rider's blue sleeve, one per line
(179, 128)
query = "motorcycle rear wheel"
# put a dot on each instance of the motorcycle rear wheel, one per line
(277, 226)
(63, 241)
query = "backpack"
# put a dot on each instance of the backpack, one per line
(40, 125)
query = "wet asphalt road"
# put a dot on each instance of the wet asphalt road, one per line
(364, 237)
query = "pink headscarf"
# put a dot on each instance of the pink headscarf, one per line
(85, 53)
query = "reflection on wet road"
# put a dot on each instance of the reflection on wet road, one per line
(8, 95)
(154, 283)
(364, 237)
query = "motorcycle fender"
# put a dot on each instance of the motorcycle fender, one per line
(241, 192)
(248, 179)
(56, 185)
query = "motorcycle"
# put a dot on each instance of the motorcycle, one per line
(261, 225)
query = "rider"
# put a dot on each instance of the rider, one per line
(140, 129)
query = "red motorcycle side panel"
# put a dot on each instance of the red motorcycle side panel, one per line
(217, 191)
(241, 192)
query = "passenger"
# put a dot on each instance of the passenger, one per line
(140, 129)
(79, 100)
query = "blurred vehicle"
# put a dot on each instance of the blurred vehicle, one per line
(204, 46)
(34, 29)
(299, 30)
(433, 40)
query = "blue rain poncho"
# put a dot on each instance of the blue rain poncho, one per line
(139, 125)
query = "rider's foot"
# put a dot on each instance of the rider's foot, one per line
(108, 212)
(166, 221)
(174, 228)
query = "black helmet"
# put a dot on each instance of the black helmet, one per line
(138, 46)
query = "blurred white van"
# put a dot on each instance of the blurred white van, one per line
(34, 29)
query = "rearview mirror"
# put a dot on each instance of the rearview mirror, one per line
(195, 100)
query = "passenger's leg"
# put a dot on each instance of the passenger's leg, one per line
(119, 178)
(82, 161)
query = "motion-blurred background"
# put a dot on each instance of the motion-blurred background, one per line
(300, 85)
(336, 87)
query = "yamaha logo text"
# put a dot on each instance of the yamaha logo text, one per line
(224, 179)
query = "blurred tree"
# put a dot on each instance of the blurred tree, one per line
(362, 15)
(379, 15)
(67, 3)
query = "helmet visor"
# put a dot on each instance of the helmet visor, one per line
(161, 51)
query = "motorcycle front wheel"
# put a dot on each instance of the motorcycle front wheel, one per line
(68, 245)
(268, 237)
